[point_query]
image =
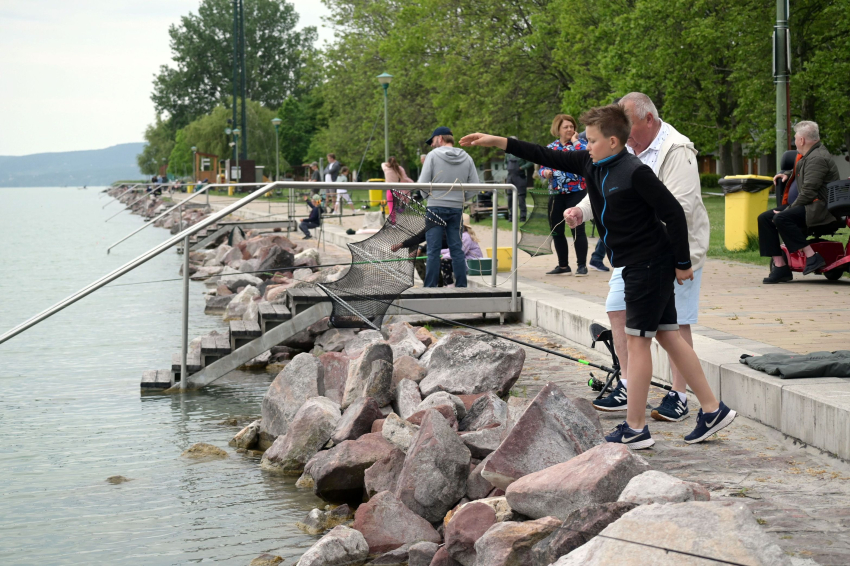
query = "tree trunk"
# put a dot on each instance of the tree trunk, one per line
(724, 163)
(737, 158)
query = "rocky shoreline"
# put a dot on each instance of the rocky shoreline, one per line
(425, 458)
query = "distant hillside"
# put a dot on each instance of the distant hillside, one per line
(90, 167)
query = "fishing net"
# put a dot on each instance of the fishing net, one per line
(536, 235)
(379, 273)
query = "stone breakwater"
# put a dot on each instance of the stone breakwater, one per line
(424, 459)
(423, 456)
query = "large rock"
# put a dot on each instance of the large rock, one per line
(236, 280)
(397, 557)
(216, 304)
(425, 360)
(355, 346)
(387, 523)
(476, 486)
(338, 473)
(407, 398)
(421, 553)
(335, 339)
(486, 411)
(383, 474)
(578, 528)
(465, 528)
(247, 437)
(342, 546)
(657, 487)
(443, 398)
(370, 375)
(238, 305)
(335, 366)
(447, 411)
(719, 529)
(275, 258)
(406, 367)
(473, 364)
(310, 429)
(298, 382)
(510, 543)
(434, 475)
(404, 342)
(357, 420)
(398, 432)
(550, 431)
(589, 411)
(596, 476)
(482, 443)
(443, 558)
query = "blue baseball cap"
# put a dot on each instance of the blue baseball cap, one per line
(441, 131)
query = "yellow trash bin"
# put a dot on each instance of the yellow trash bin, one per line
(746, 198)
(504, 258)
(376, 195)
(230, 190)
(190, 189)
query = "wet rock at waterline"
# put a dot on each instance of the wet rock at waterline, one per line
(204, 450)
(342, 546)
(298, 381)
(387, 524)
(117, 480)
(266, 560)
(310, 429)
(338, 473)
(247, 437)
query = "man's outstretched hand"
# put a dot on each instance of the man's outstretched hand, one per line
(484, 140)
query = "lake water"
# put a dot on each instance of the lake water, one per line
(71, 412)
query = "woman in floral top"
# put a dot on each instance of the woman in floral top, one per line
(565, 191)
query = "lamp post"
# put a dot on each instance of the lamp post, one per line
(194, 163)
(385, 80)
(276, 122)
(236, 132)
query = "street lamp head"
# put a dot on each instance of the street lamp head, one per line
(194, 149)
(385, 79)
(237, 131)
(276, 122)
(228, 131)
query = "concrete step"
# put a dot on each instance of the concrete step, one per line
(272, 315)
(242, 332)
(214, 348)
(156, 379)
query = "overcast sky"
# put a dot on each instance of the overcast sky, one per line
(77, 74)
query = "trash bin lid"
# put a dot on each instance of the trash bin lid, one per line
(748, 183)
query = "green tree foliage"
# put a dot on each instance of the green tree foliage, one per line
(160, 142)
(201, 74)
(300, 121)
(207, 134)
(180, 159)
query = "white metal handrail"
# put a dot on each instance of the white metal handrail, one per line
(184, 236)
(180, 205)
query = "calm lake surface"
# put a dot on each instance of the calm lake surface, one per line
(71, 412)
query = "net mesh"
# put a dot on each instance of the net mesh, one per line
(536, 236)
(382, 266)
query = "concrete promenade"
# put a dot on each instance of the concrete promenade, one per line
(738, 315)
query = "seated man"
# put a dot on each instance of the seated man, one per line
(813, 172)
(315, 218)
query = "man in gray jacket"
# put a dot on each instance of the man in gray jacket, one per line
(446, 164)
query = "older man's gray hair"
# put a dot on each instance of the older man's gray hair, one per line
(808, 130)
(642, 105)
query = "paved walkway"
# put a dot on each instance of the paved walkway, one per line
(807, 315)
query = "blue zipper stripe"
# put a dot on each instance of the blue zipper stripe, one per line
(602, 218)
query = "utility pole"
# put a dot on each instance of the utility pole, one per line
(781, 76)
(242, 64)
(234, 124)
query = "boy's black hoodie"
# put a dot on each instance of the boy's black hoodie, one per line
(628, 200)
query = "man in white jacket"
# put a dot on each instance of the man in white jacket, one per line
(673, 158)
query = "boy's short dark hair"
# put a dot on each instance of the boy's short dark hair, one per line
(611, 120)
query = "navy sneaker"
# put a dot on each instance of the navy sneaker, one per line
(623, 434)
(598, 265)
(708, 424)
(671, 409)
(616, 401)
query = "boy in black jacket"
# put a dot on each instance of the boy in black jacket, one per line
(631, 203)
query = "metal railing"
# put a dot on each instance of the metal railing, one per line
(184, 236)
(122, 194)
(180, 205)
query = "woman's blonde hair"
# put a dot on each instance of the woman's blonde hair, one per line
(556, 124)
(467, 225)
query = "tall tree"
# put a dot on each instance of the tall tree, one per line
(160, 142)
(202, 45)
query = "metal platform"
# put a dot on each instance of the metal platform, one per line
(431, 300)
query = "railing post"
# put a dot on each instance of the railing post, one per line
(494, 262)
(514, 258)
(184, 344)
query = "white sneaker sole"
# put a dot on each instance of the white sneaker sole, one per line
(642, 445)
(611, 409)
(717, 428)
